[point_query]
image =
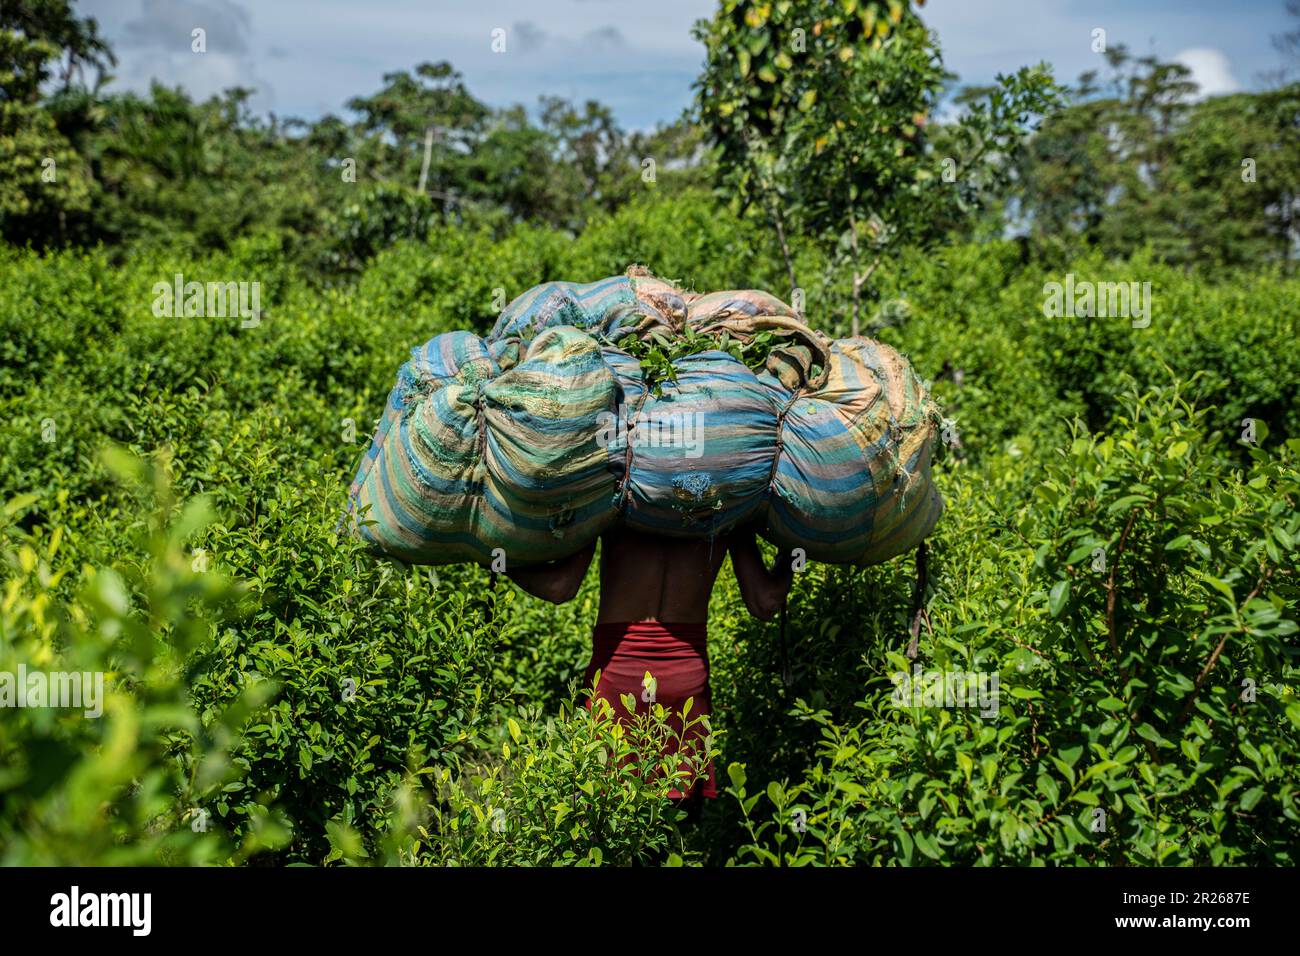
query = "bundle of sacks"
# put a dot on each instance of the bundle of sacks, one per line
(533, 441)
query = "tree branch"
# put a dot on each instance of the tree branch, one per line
(1112, 628)
(1218, 651)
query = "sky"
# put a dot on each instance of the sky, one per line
(306, 58)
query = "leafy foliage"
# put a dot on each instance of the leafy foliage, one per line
(820, 112)
(1147, 697)
(657, 351)
(1118, 549)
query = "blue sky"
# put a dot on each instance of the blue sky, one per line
(307, 57)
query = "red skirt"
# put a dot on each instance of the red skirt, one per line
(677, 658)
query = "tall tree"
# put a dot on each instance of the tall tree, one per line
(43, 180)
(420, 127)
(1139, 161)
(820, 111)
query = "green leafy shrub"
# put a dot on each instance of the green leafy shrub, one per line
(577, 788)
(1143, 642)
(126, 781)
(266, 424)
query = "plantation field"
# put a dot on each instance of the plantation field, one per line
(1112, 549)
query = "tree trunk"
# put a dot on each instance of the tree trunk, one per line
(785, 248)
(428, 154)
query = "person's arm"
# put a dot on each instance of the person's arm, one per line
(763, 591)
(555, 581)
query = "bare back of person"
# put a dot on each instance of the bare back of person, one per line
(646, 577)
(652, 578)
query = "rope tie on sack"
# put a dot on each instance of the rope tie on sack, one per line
(625, 486)
(780, 440)
(480, 419)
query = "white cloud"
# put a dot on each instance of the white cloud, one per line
(1211, 70)
(201, 74)
(636, 57)
(156, 43)
(528, 36)
(168, 25)
(604, 38)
